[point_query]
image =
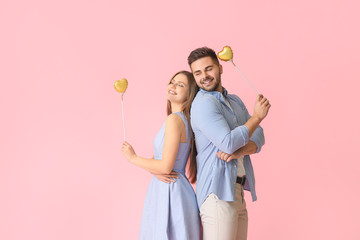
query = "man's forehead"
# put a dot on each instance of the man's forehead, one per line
(202, 63)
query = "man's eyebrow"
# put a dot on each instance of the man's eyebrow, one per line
(207, 67)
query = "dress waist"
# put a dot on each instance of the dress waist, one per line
(181, 171)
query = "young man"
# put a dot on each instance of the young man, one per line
(225, 136)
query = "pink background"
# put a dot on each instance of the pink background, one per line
(62, 175)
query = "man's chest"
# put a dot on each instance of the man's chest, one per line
(235, 114)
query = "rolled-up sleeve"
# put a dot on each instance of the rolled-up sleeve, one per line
(258, 136)
(207, 116)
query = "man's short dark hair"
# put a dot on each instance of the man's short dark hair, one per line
(200, 53)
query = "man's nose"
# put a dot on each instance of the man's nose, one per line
(204, 76)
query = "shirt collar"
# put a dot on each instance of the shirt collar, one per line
(217, 94)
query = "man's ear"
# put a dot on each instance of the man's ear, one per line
(220, 67)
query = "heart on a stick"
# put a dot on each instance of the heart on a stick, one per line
(226, 54)
(121, 85)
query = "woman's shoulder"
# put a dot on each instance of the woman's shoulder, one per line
(174, 124)
(174, 119)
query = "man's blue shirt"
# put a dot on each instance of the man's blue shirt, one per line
(217, 127)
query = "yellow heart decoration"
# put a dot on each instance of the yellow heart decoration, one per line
(121, 85)
(226, 54)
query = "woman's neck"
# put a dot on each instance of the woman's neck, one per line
(176, 107)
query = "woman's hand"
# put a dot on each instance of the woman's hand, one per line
(128, 151)
(167, 178)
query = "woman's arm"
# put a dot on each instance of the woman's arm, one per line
(173, 127)
(167, 178)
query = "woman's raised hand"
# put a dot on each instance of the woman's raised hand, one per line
(128, 151)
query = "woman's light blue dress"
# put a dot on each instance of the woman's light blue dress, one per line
(170, 210)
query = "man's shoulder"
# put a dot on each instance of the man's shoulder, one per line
(234, 97)
(203, 104)
(237, 100)
(202, 98)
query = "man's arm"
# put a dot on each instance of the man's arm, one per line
(207, 117)
(254, 145)
(257, 137)
(248, 149)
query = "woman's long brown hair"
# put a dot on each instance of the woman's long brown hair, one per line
(193, 89)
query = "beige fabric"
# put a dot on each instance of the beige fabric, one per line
(241, 169)
(223, 220)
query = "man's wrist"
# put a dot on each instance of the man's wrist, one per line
(238, 153)
(256, 118)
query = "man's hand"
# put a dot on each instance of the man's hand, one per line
(227, 157)
(248, 149)
(262, 106)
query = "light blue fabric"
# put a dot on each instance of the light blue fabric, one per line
(170, 210)
(217, 127)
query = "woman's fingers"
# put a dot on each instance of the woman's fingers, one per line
(174, 174)
(161, 178)
(167, 178)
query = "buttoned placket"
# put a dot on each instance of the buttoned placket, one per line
(224, 100)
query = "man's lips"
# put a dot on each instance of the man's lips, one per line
(207, 81)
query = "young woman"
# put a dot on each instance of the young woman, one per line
(170, 209)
